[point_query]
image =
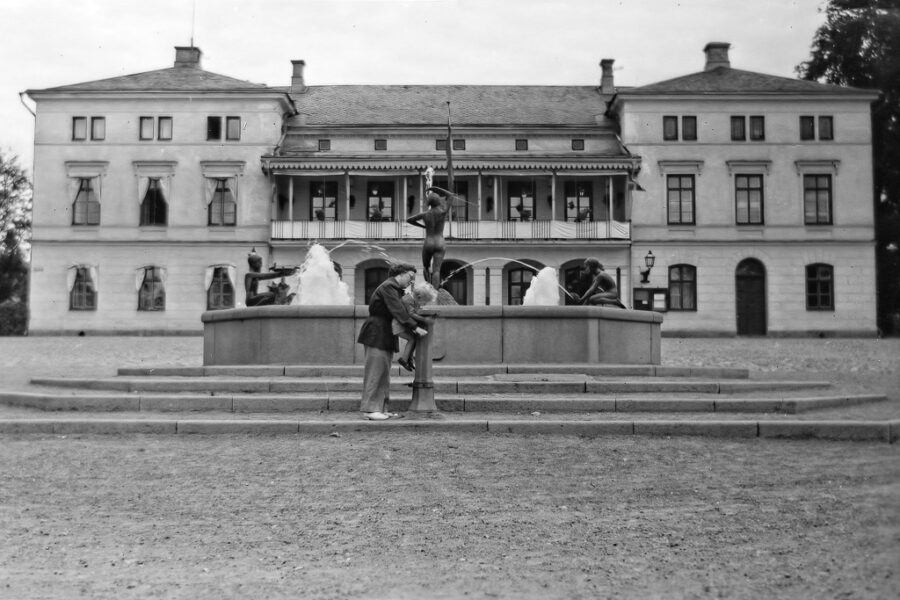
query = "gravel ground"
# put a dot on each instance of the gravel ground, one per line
(446, 516)
(442, 515)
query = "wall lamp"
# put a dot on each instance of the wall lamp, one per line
(649, 260)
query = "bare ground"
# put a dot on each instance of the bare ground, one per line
(446, 516)
(412, 515)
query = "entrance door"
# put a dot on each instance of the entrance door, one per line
(750, 281)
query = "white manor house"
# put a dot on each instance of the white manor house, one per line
(752, 194)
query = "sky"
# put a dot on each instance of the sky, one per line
(47, 43)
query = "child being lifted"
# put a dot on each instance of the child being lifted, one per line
(417, 296)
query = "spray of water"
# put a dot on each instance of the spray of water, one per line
(543, 291)
(316, 282)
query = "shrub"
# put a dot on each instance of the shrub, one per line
(13, 318)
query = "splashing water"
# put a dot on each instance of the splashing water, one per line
(317, 281)
(543, 291)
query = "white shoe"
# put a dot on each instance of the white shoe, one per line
(376, 416)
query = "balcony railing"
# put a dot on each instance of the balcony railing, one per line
(469, 230)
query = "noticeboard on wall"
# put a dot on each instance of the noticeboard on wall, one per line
(656, 299)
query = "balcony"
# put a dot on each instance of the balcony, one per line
(466, 230)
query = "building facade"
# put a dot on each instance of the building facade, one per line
(751, 192)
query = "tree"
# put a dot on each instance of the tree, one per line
(15, 228)
(859, 45)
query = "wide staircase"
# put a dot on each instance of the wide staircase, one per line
(586, 399)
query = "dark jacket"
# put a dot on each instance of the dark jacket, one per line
(386, 304)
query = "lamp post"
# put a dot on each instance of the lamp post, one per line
(649, 261)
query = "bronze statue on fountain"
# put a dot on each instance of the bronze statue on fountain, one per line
(278, 292)
(432, 221)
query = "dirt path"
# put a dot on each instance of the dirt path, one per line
(446, 516)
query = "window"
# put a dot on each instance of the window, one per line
(164, 131)
(817, 199)
(578, 201)
(670, 128)
(521, 144)
(577, 145)
(220, 293)
(689, 129)
(381, 144)
(152, 291)
(153, 205)
(161, 127)
(381, 201)
(459, 144)
(324, 145)
(86, 207)
(819, 287)
(98, 128)
(807, 128)
(233, 128)
(680, 199)
(213, 128)
(79, 129)
(440, 144)
(324, 200)
(223, 207)
(147, 125)
(82, 291)
(748, 199)
(826, 128)
(459, 208)
(757, 129)
(518, 284)
(682, 287)
(738, 129)
(520, 200)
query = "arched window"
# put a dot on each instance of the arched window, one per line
(819, 287)
(682, 287)
(153, 206)
(152, 291)
(86, 207)
(223, 207)
(82, 291)
(374, 276)
(220, 293)
(519, 280)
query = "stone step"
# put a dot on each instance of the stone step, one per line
(533, 384)
(337, 402)
(883, 431)
(592, 369)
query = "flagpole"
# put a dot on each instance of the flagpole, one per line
(450, 186)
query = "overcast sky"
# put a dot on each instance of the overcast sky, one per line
(46, 43)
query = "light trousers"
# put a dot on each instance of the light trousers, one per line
(376, 380)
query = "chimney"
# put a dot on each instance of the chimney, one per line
(298, 86)
(187, 56)
(717, 55)
(607, 86)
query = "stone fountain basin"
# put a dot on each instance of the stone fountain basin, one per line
(467, 335)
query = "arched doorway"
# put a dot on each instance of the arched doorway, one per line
(571, 272)
(457, 283)
(750, 287)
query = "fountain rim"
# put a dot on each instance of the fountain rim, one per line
(361, 311)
